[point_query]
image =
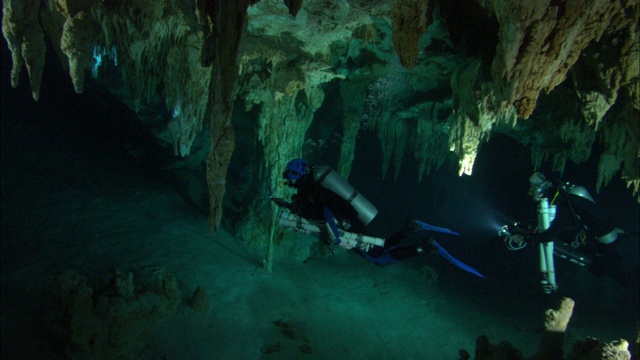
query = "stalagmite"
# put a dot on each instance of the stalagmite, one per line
(556, 322)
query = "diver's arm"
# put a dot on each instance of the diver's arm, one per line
(545, 237)
(521, 235)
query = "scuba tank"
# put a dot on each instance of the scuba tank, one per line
(331, 180)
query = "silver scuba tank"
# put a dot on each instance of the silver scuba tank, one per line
(331, 180)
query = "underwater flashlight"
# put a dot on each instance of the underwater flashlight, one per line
(504, 231)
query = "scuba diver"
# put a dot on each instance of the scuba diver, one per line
(582, 233)
(327, 206)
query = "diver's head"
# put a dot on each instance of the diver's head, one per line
(296, 169)
(539, 184)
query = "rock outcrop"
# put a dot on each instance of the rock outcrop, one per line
(109, 318)
(556, 322)
(25, 39)
(556, 76)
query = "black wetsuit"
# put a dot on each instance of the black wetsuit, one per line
(311, 199)
(580, 222)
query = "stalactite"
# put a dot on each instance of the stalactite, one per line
(229, 21)
(635, 185)
(392, 133)
(540, 42)
(78, 40)
(465, 143)
(410, 20)
(621, 149)
(293, 6)
(188, 107)
(152, 45)
(401, 133)
(473, 116)
(288, 91)
(580, 138)
(538, 156)
(161, 54)
(631, 169)
(79, 34)
(610, 161)
(615, 60)
(25, 39)
(380, 112)
(594, 106)
(353, 93)
(572, 141)
(281, 126)
(431, 137)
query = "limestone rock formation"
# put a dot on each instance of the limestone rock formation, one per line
(541, 41)
(77, 42)
(228, 24)
(410, 20)
(199, 301)
(556, 322)
(417, 75)
(109, 318)
(25, 38)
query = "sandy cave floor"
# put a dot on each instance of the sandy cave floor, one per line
(341, 306)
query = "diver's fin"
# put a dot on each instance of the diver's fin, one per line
(455, 261)
(427, 227)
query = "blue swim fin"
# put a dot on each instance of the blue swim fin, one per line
(455, 261)
(427, 227)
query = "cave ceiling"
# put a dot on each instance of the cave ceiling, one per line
(430, 79)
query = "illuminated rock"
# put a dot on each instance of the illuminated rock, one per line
(558, 77)
(25, 40)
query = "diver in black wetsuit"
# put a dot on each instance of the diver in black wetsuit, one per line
(584, 233)
(323, 197)
(315, 202)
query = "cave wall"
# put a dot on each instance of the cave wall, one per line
(418, 75)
